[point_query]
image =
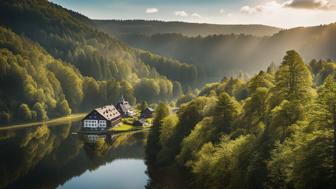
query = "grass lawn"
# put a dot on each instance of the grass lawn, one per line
(125, 127)
(149, 120)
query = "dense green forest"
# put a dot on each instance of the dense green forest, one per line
(127, 27)
(218, 55)
(53, 62)
(276, 130)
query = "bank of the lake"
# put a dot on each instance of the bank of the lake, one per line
(123, 127)
(51, 122)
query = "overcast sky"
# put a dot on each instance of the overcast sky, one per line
(281, 13)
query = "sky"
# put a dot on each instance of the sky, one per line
(279, 13)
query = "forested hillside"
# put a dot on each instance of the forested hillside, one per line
(218, 55)
(60, 62)
(126, 27)
(276, 130)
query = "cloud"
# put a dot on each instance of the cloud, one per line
(196, 15)
(222, 11)
(297, 4)
(266, 7)
(311, 4)
(152, 10)
(181, 13)
(248, 10)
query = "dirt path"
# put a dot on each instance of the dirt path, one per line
(52, 122)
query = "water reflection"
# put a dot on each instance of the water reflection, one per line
(45, 157)
(121, 173)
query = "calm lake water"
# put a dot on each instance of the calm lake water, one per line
(55, 157)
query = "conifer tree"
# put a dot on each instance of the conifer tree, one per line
(293, 80)
(227, 110)
(326, 115)
(153, 142)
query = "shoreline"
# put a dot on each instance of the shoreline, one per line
(73, 117)
(113, 131)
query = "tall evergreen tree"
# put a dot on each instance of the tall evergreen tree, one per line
(293, 80)
(227, 110)
(326, 115)
(153, 142)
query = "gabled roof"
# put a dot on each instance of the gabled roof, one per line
(124, 105)
(147, 110)
(108, 112)
(150, 109)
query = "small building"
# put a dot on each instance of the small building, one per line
(139, 123)
(147, 113)
(102, 118)
(175, 110)
(125, 109)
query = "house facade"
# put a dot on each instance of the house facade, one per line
(101, 118)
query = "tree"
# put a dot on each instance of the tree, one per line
(227, 110)
(185, 98)
(189, 115)
(153, 142)
(285, 115)
(293, 80)
(24, 112)
(146, 89)
(325, 114)
(302, 161)
(177, 89)
(292, 93)
(63, 108)
(167, 131)
(143, 105)
(203, 132)
(263, 79)
(41, 112)
(255, 108)
(5, 117)
(91, 91)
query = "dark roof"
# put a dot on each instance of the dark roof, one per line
(108, 112)
(140, 121)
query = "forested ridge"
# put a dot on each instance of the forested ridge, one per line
(53, 62)
(150, 27)
(218, 55)
(275, 130)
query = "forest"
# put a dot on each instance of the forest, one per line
(120, 28)
(235, 106)
(59, 65)
(275, 130)
(228, 54)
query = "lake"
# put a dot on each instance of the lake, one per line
(57, 157)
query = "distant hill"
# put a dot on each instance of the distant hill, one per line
(218, 55)
(53, 62)
(125, 27)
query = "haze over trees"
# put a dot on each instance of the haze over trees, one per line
(281, 134)
(127, 27)
(274, 130)
(217, 55)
